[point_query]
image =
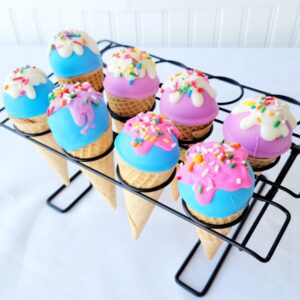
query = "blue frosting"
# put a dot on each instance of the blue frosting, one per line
(155, 160)
(67, 133)
(223, 204)
(24, 107)
(75, 64)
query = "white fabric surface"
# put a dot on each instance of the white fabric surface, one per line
(88, 253)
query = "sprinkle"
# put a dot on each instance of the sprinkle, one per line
(178, 177)
(209, 188)
(232, 166)
(131, 82)
(153, 139)
(276, 124)
(86, 100)
(23, 92)
(271, 114)
(200, 188)
(198, 158)
(229, 156)
(139, 140)
(204, 173)
(217, 168)
(73, 95)
(238, 180)
(190, 93)
(235, 145)
(166, 140)
(258, 119)
(139, 66)
(191, 167)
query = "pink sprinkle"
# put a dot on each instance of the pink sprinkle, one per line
(22, 92)
(25, 81)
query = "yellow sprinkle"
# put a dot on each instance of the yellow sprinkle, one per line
(198, 158)
(258, 119)
(166, 140)
(136, 124)
(250, 103)
(271, 114)
(203, 164)
(147, 137)
(153, 139)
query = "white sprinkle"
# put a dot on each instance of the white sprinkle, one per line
(227, 161)
(217, 168)
(173, 145)
(198, 148)
(205, 172)
(209, 188)
(203, 150)
(211, 163)
(238, 180)
(94, 97)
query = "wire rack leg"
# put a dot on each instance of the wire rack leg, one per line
(215, 271)
(73, 203)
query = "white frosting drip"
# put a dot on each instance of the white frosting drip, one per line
(191, 82)
(132, 64)
(270, 113)
(65, 42)
(22, 81)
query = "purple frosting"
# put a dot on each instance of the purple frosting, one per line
(185, 112)
(251, 139)
(141, 87)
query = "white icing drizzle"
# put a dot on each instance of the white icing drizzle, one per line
(192, 82)
(270, 113)
(22, 81)
(67, 41)
(132, 63)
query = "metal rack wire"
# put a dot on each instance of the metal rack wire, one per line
(261, 182)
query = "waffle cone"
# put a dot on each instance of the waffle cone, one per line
(95, 78)
(38, 125)
(104, 165)
(138, 209)
(210, 242)
(118, 125)
(126, 107)
(190, 133)
(174, 188)
(258, 163)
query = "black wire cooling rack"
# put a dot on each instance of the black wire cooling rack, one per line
(265, 198)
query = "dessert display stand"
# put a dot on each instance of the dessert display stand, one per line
(266, 189)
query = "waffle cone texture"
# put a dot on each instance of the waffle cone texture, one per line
(38, 125)
(258, 163)
(104, 165)
(190, 133)
(138, 209)
(126, 107)
(210, 242)
(95, 78)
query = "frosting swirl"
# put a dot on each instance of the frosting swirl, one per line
(68, 41)
(149, 129)
(132, 64)
(78, 98)
(190, 82)
(22, 81)
(270, 113)
(211, 166)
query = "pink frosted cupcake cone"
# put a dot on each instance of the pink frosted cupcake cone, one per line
(263, 125)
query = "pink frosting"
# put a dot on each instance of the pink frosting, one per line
(148, 130)
(251, 138)
(210, 166)
(140, 88)
(81, 107)
(184, 112)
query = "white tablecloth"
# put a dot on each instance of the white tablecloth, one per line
(88, 253)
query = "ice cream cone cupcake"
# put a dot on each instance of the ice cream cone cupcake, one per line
(74, 57)
(189, 101)
(130, 83)
(216, 182)
(26, 100)
(81, 125)
(264, 126)
(148, 152)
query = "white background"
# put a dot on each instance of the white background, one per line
(88, 253)
(197, 23)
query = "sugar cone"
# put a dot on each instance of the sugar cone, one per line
(138, 209)
(258, 163)
(38, 125)
(190, 133)
(210, 242)
(95, 78)
(126, 107)
(104, 165)
(174, 188)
